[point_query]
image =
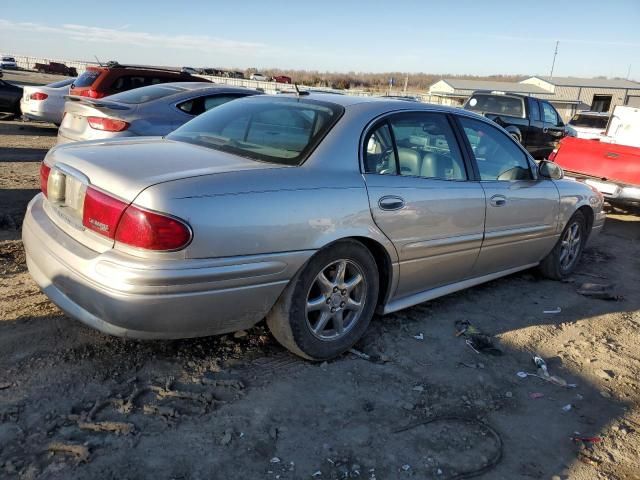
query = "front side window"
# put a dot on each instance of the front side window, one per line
(282, 131)
(497, 154)
(549, 114)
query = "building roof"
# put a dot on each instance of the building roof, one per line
(512, 87)
(588, 82)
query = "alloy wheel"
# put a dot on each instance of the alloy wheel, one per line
(336, 299)
(570, 246)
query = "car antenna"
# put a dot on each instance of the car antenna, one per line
(98, 60)
(298, 92)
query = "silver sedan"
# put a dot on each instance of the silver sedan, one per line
(312, 211)
(152, 110)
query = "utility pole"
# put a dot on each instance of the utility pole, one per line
(628, 71)
(406, 81)
(554, 59)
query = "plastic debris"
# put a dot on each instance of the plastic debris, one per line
(406, 467)
(420, 336)
(525, 374)
(535, 395)
(359, 354)
(553, 311)
(579, 439)
(567, 407)
(603, 291)
(274, 460)
(476, 340)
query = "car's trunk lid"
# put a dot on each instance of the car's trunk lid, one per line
(77, 109)
(123, 169)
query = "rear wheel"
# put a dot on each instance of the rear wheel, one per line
(328, 305)
(565, 256)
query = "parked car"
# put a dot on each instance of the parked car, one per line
(45, 103)
(190, 70)
(153, 110)
(259, 77)
(531, 121)
(282, 79)
(99, 82)
(313, 211)
(1, 74)
(588, 124)
(10, 96)
(8, 63)
(610, 163)
(56, 68)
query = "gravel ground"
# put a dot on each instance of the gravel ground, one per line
(76, 404)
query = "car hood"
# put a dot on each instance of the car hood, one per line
(126, 167)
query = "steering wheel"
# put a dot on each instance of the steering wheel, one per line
(384, 166)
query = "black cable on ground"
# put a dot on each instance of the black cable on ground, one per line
(490, 464)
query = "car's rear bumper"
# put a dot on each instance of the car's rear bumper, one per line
(142, 298)
(39, 114)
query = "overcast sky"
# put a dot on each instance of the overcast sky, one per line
(459, 36)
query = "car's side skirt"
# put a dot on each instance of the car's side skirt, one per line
(427, 295)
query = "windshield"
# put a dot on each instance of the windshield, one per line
(62, 83)
(87, 78)
(8, 59)
(498, 104)
(146, 94)
(275, 130)
(590, 121)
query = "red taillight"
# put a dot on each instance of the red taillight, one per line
(90, 93)
(152, 231)
(132, 225)
(101, 212)
(553, 154)
(107, 124)
(38, 96)
(45, 170)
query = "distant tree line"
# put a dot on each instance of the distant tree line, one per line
(375, 81)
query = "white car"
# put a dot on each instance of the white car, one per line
(8, 63)
(45, 103)
(259, 77)
(588, 125)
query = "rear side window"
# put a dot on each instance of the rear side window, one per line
(498, 104)
(591, 121)
(199, 105)
(282, 131)
(146, 94)
(534, 110)
(497, 155)
(87, 78)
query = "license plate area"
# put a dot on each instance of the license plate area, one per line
(66, 191)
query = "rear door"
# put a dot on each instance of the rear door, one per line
(422, 198)
(553, 130)
(521, 210)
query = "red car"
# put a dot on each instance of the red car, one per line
(98, 82)
(611, 164)
(282, 79)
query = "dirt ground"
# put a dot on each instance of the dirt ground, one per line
(77, 404)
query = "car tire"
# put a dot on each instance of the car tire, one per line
(318, 318)
(556, 265)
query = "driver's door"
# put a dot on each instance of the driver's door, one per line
(522, 210)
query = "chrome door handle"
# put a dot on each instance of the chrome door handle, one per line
(498, 201)
(391, 202)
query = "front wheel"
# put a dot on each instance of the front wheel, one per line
(328, 304)
(564, 257)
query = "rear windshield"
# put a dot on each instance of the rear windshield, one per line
(87, 78)
(146, 94)
(278, 130)
(591, 121)
(62, 83)
(499, 104)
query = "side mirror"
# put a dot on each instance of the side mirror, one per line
(548, 169)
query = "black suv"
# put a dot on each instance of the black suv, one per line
(531, 121)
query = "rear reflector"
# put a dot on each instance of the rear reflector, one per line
(553, 154)
(101, 212)
(107, 124)
(38, 96)
(152, 231)
(45, 170)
